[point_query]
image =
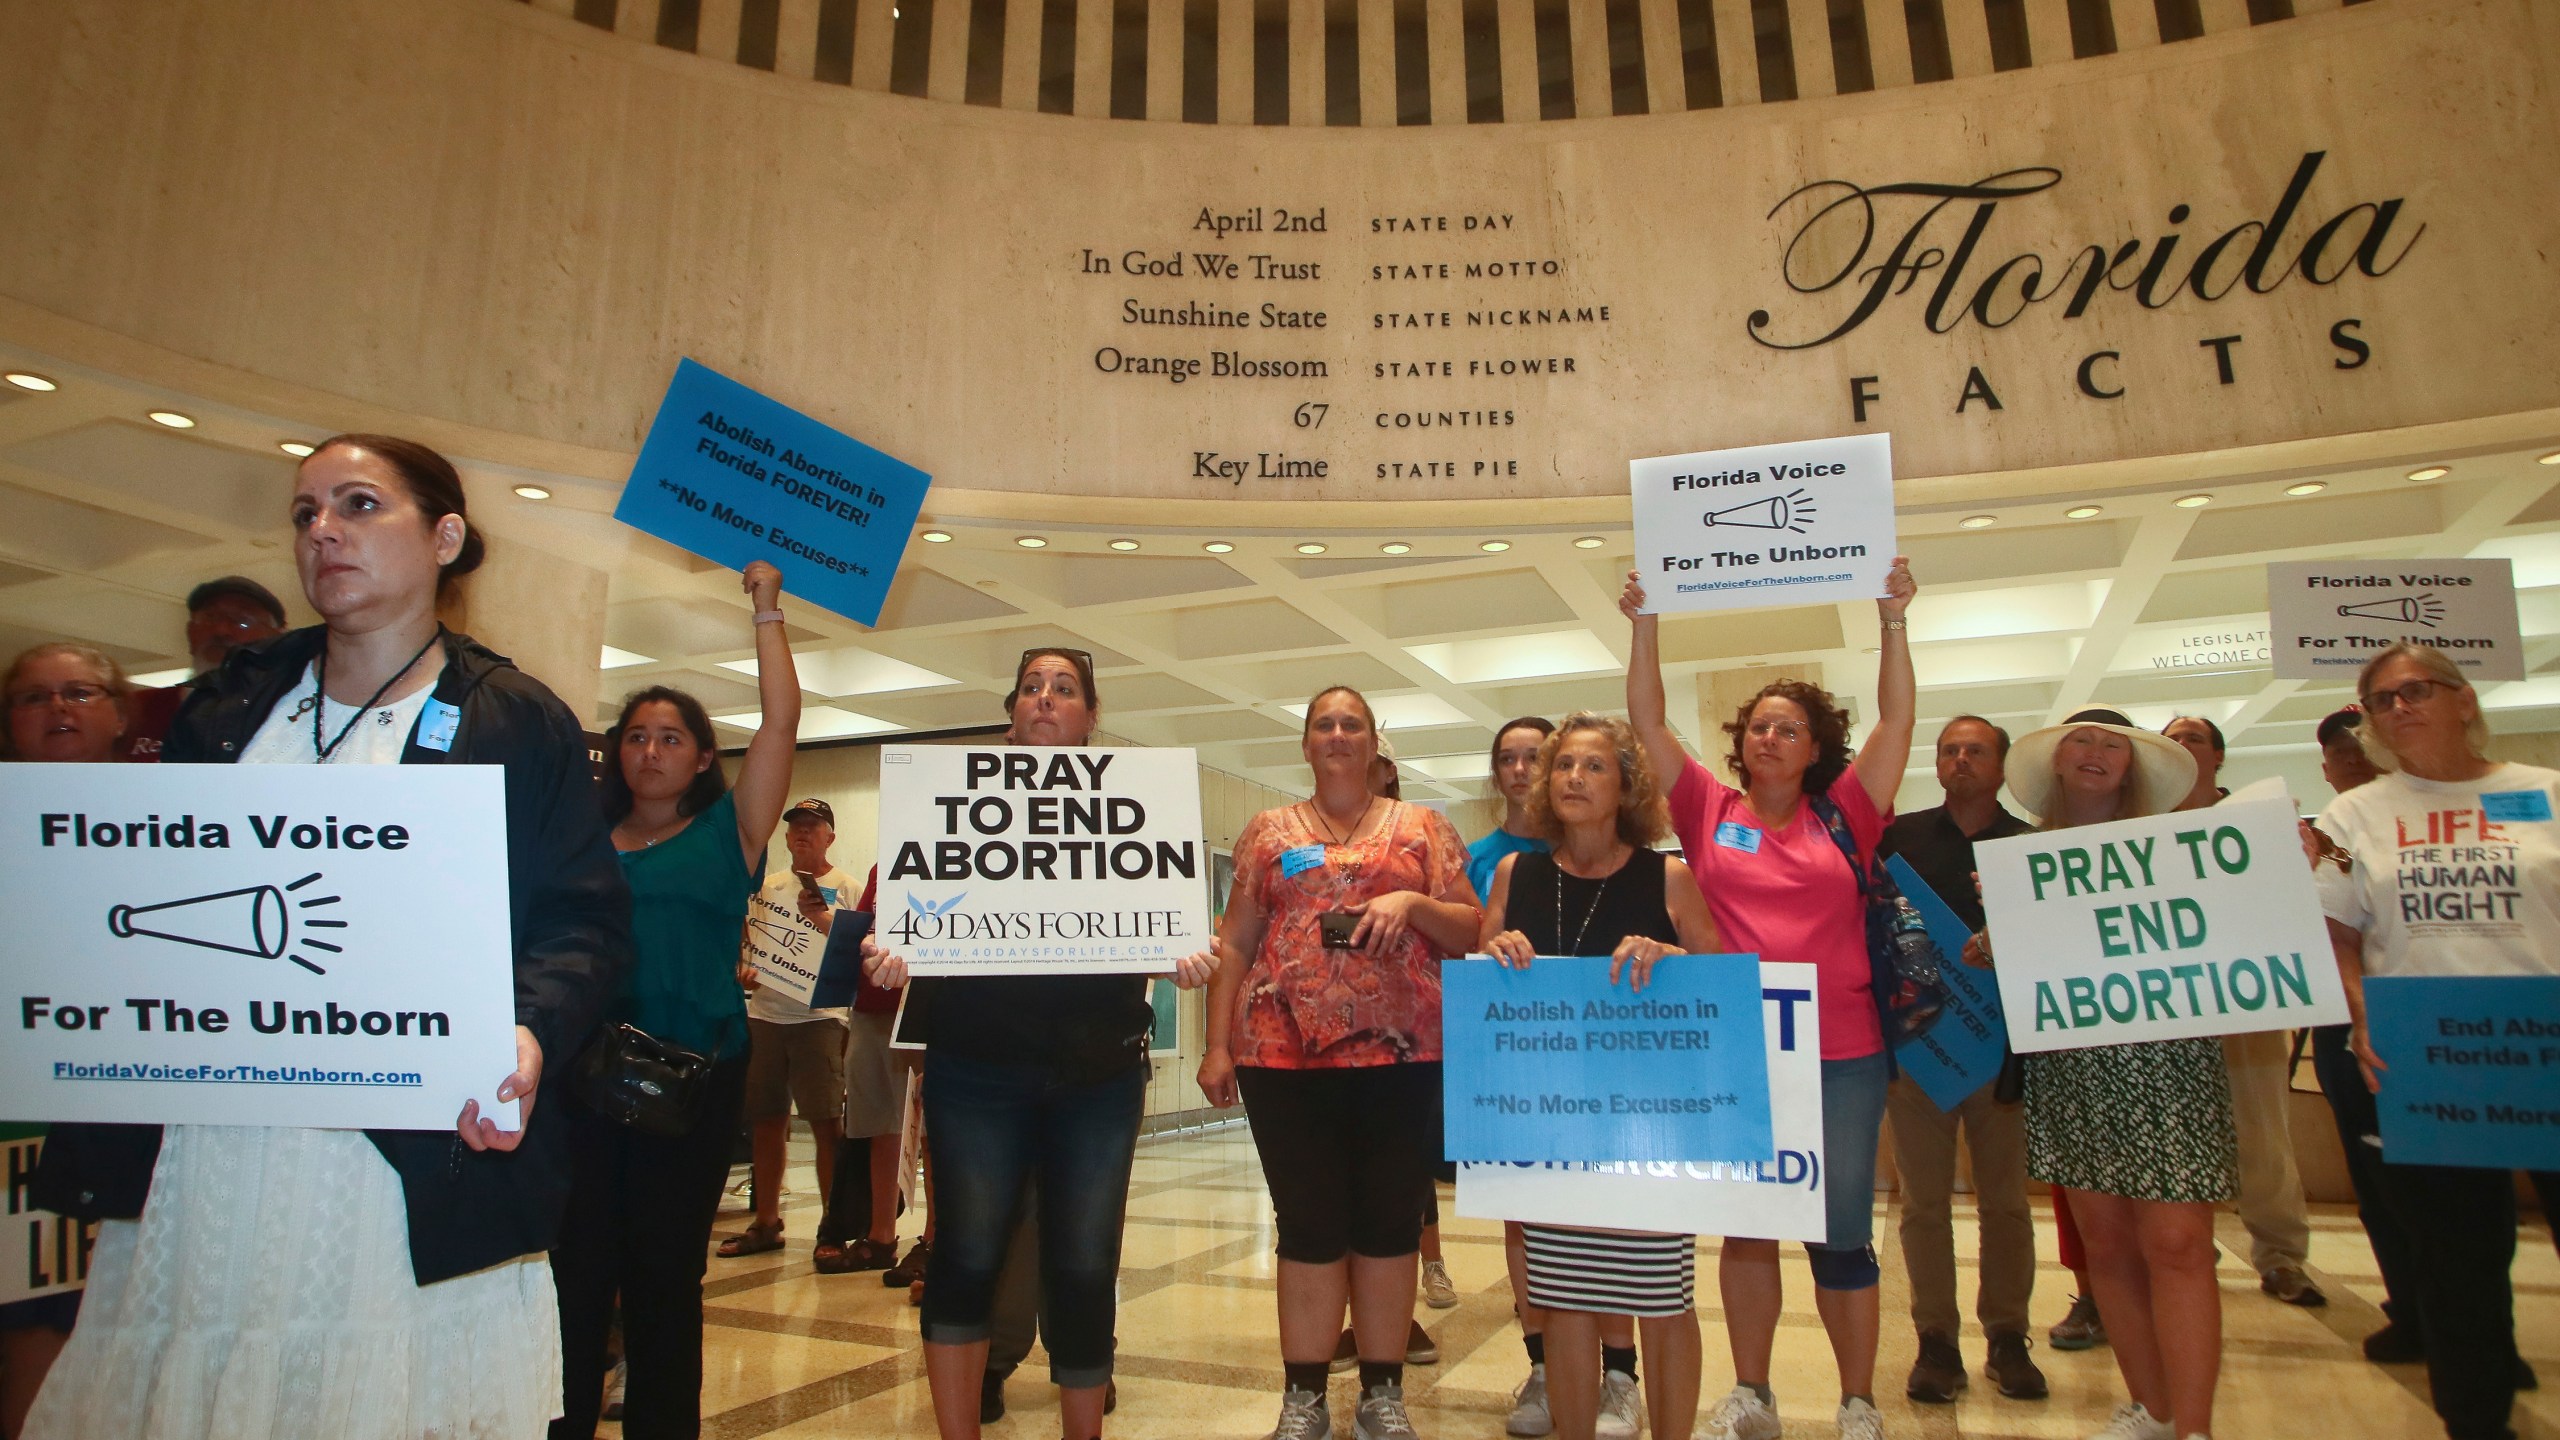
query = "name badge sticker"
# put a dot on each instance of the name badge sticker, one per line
(2517, 805)
(1299, 859)
(1735, 836)
(438, 721)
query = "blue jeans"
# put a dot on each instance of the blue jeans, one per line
(992, 1129)
(1853, 1096)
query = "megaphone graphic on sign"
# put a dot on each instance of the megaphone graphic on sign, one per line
(1778, 512)
(2407, 610)
(253, 920)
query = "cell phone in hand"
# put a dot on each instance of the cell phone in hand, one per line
(1334, 928)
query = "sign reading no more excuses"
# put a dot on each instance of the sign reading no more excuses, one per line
(2202, 922)
(1017, 859)
(1793, 524)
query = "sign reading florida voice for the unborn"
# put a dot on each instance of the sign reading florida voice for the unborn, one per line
(1017, 859)
(1793, 524)
(255, 944)
(2201, 922)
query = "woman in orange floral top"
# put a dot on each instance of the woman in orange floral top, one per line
(1325, 1017)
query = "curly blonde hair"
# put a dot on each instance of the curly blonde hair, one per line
(1644, 813)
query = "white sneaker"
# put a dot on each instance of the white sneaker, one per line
(1529, 1416)
(1742, 1415)
(2132, 1422)
(1437, 1292)
(1859, 1421)
(1303, 1416)
(1621, 1407)
(613, 1383)
(1382, 1416)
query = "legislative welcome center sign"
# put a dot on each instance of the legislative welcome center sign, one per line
(1013, 859)
(255, 944)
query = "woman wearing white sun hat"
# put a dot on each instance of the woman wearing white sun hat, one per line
(2139, 1135)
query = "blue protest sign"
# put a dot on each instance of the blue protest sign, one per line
(1555, 1063)
(2474, 1075)
(1962, 1052)
(736, 477)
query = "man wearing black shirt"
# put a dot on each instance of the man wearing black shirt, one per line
(1938, 843)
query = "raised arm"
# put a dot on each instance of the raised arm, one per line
(764, 779)
(1646, 709)
(1888, 749)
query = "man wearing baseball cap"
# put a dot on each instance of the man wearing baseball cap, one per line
(222, 616)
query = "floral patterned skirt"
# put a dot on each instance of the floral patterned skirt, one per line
(2150, 1121)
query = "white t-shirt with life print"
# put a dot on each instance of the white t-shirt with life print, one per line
(2452, 877)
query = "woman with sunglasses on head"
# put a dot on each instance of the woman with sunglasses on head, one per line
(304, 1283)
(2407, 914)
(1032, 1083)
(1780, 860)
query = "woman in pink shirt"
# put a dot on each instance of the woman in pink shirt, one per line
(1769, 857)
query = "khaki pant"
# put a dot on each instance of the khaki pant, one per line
(1924, 1148)
(2270, 1184)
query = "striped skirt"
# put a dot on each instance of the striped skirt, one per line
(1612, 1272)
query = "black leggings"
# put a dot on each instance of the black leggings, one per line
(1348, 1154)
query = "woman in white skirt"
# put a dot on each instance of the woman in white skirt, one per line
(1605, 891)
(306, 1284)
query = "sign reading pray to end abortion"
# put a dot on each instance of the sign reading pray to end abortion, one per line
(255, 944)
(1016, 859)
(1794, 524)
(2201, 922)
(737, 477)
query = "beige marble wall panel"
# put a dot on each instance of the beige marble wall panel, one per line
(1737, 53)
(526, 222)
(541, 610)
(1889, 42)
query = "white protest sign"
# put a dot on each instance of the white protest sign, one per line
(1016, 859)
(1793, 524)
(1776, 1199)
(41, 1253)
(255, 944)
(2201, 922)
(2328, 617)
(783, 946)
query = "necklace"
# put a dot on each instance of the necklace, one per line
(1345, 839)
(320, 691)
(1584, 928)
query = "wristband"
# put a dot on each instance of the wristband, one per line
(768, 617)
(1889, 624)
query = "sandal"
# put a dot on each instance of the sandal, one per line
(757, 1240)
(836, 1258)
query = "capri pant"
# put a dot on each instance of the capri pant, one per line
(1348, 1154)
(1853, 1094)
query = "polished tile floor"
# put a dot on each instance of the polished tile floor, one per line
(791, 1352)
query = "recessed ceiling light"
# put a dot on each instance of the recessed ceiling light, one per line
(1310, 547)
(2190, 502)
(1589, 542)
(1124, 544)
(1978, 522)
(298, 449)
(1494, 547)
(2431, 472)
(173, 419)
(532, 492)
(29, 380)
(2081, 512)
(937, 537)
(2551, 459)
(1218, 547)
(2307, 487)
(1030, 542)
(1396, 547)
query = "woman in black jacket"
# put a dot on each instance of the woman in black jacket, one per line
(299, 1282)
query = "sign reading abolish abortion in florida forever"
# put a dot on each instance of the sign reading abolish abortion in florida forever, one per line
(1017, 859)
(255, 944)
(1794, 524)
(2201, 922)
(737, 477)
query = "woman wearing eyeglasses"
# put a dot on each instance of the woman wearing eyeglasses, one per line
(1773, 859)
(2457, 872)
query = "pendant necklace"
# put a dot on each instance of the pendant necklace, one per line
(320, 690)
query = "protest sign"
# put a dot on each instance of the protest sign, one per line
(1794, 524)
(1962, 1052)
(2201, 922)
(1015, 859)
(736, 477)
(255, 944)
(41, 1253)
(2326, 618)
(783, 946)
(1779, 1198)
(1555, 1063)
(2474, 1075)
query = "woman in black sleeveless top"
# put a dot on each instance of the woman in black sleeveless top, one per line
(1605, 891)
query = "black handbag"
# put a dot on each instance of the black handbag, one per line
(1910, 985)
(633, 1078)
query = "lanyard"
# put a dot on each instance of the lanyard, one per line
(320, 696)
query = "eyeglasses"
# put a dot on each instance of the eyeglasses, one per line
(2415, 693)
(1083, 658)
(1783, 729)
(74, 695)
